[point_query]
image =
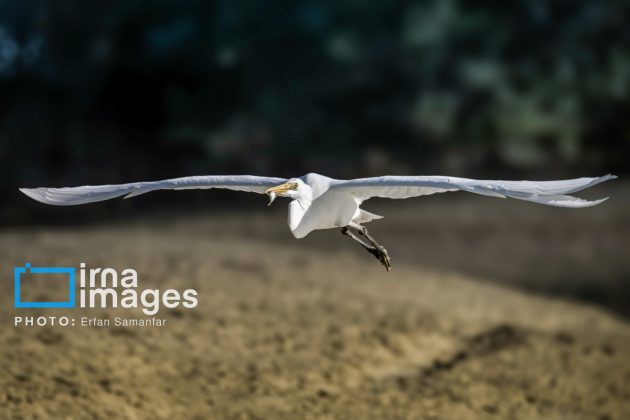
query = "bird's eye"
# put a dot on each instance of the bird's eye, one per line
(294, 186)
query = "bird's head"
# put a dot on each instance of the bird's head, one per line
(294, 188)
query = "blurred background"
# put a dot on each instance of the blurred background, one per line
(111, 92)
(493, 307)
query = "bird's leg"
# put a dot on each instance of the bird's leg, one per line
(346, 231)
(381, 253)
(375, 249)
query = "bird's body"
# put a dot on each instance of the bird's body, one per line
(320, 202)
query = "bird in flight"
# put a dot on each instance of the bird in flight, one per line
(320, 202)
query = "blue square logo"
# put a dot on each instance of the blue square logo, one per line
(17, 276)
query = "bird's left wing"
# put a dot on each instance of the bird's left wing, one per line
(553, 193)
(91, 193)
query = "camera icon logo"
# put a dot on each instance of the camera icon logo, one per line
(17, 279)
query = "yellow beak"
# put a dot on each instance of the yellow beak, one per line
(279, 189)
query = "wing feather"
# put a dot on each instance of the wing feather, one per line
(553, 193)
(89, 194)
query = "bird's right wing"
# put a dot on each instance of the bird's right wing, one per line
(553, 193)
(89, 193)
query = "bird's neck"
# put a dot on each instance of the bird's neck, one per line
(297, 209)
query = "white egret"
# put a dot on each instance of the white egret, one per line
(320, 202)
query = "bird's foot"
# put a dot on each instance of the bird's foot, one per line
(378, 251)
(381, 254)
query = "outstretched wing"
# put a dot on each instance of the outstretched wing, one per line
(90, 194)
(553, 193)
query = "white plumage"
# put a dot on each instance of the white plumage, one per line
(320, 202)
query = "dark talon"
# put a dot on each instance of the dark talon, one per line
(381, 254)
(378, 251)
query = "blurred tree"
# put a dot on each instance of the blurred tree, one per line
(112, 91)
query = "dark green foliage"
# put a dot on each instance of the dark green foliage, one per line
(116, 91)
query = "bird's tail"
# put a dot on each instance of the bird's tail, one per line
(366, 216)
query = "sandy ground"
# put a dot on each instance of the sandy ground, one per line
(317, 329)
